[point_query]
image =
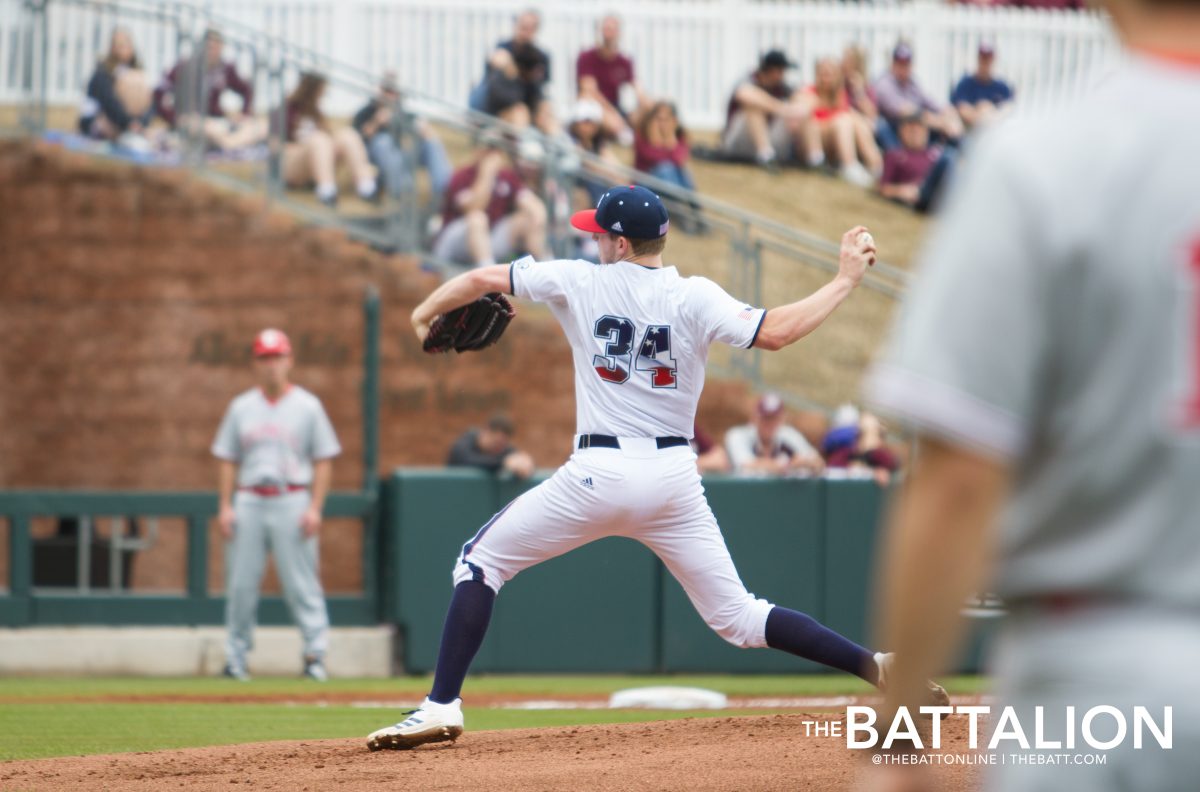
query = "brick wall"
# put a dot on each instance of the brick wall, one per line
(128, 300)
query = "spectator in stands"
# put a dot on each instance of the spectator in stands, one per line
(768, 446)
(225, 124)
(766, 117)
(488, 212)
(602, 72)
(314, 148)
(833, 129)
(981, 98)
(587, 132)
(914, 173)
(491, 448)
(661, 149)
(710, 455)
(842, 431)
(661, 146)
(858, 89)
(117, 104)
(898, 96)
(375, 123)
(868, 453)
(514, 80)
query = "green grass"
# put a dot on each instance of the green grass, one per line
(34, 688)
(44, 717)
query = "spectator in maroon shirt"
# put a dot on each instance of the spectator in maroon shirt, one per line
(226, 122)
(602, 72)
(710, 455)
(914, 173)
(488, 213)
(313, 148)
(661, 146)
(661, 149)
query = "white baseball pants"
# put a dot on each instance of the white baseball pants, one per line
(262, 523)
(640, 492)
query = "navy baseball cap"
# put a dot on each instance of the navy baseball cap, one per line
(632, 211)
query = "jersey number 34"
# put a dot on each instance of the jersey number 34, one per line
(653, 353)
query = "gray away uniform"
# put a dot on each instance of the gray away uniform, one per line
(274, 445)
(1056, 324)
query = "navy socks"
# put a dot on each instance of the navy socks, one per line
(801, 635)
(788, 630)
(466, 625)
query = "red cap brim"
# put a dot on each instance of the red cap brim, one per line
(586, 221)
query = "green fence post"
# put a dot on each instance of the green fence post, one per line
(197, 563)
(20, 569)
(20, 555)
(370, 390)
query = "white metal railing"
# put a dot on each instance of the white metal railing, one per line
(693, 51)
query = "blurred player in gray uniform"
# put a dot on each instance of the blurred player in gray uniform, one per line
(275, 447)
(1050, 355)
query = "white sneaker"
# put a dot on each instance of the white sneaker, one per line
(430, 723)
(236, 671)
(937, 696)
(315, 670)
(857, 175)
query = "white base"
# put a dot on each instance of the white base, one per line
(667, 697)
(185, 651)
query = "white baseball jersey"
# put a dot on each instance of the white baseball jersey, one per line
(640, 339)
(275, 442)
(1056, 322)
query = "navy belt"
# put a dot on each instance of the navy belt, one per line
(608, 441)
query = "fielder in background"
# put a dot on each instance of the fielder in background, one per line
(640, 334)
(275, 447)
(1050, 356)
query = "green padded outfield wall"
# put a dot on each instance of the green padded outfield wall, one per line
(611, 606)
(593, 610)
(773, 529)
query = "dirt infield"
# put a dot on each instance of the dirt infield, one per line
(742, 754)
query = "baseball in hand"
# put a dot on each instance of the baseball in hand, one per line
(865, 239)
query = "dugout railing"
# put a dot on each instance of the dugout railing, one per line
(24, 604)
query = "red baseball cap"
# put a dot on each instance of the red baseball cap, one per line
(272, 343)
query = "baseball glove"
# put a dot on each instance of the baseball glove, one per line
(470, 327)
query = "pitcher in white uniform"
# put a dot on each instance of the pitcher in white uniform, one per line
(640, 334)
(275, 449)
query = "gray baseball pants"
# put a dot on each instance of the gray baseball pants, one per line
(1121, 656)
(272, 523)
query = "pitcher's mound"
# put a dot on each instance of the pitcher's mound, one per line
(741, 753)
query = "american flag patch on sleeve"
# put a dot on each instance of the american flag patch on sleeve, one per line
(747, 314)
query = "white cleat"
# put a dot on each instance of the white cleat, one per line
(937, 696)
(430, 723)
